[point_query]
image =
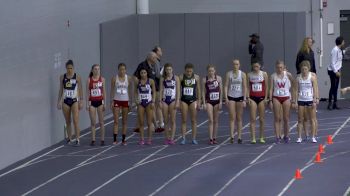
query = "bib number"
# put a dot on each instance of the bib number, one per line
(214, 96)
(96, 92)
(168, 92)
(306, 94)
(188, 91)
(236, 87)
(69, 93)
(121, 91)
(281, 92)
(257, 87)
(144, 96)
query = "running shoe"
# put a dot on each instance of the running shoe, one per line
(231, 140)
(123, 143)
(313, 139)
(253, 141)
(115, 143)
(214, 141)
(102, 143)
(278, 140)
(142, 142)
(159, 130)
(92, 143)
(240, 141)
(149, 142)
(299, 140)
(286, 139)
(77, 143)
(171, 142)
(262, 141)
(183, 141)
(194, 142)
(137, 130)
(210, 142)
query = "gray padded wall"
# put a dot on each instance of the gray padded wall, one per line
(222, 47)
(271, 35)
(119, 43)
(197, 41)
(204, 38)
(32, 33)
(246, 24)
(172, 39)
(294, 33)
(148, 34)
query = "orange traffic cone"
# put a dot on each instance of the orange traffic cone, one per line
(329, 139)
(318, 158)
(321, 148)
(298, 174)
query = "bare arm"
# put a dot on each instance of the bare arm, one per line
(245, 86)
(161, 89)
(266, 80)
(291, 79)
(220, 84)
(204, 91)
(104, 90)
(60, 92)
(153, 86)
(130, 88)
(112, 91)
(315, 88)
(271, 87)
(248, 87)
(177, 89)
(87, 92)
(80, 88)
(226, 87)
(198, 88)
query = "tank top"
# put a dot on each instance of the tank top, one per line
(235, 87)
(70, 88)
(212, 90)
(145, 92)
(305, 91)
(188, 87)
(96, 89)
(281, 86)
(121, 89)
(169, 89)
(257, 84)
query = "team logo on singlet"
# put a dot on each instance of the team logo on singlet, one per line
(190, 82)
(281, 84)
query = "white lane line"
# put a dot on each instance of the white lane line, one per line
(27, 163)
(194, 164)
(347, 192)
(166, 146)
(309, 163)
(59, 147)
(105, 150)
(249, 166)
(59, 175)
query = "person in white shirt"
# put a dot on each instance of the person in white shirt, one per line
(334, 72)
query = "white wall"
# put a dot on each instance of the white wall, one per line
(32, 32)
(311, 7)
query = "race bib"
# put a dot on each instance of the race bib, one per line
(257, 87)
(306, 94)
(69, 93)
(96, 92)
(282, 92)
(188, 91)
(144, 96)
(168, 92)
(236, 87)
(214, 96)
(121, 91)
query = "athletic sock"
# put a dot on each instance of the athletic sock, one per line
(114, 137)
(123, 137)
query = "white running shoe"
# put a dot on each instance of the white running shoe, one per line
(313, 139)
(299, 140)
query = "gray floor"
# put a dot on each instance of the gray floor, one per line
(223, 169)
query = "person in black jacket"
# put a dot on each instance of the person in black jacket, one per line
(256, 50)
(306, 53)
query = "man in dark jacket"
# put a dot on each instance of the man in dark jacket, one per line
(256, 50)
